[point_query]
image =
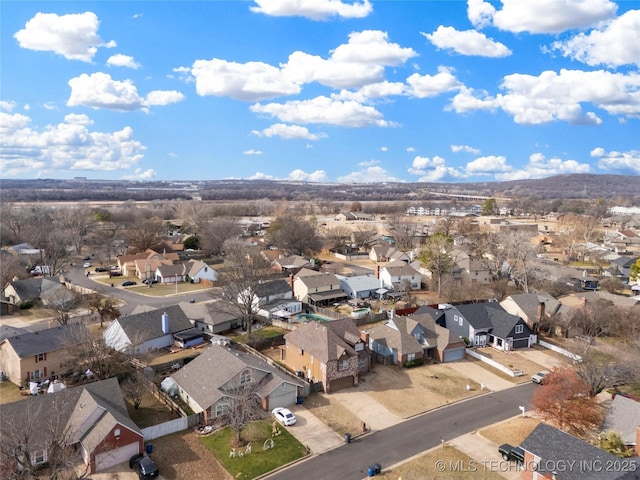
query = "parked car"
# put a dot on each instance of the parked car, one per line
(509, 452)
(148, 281)
(101, 269)
(115, 274)
(86, 265)
(539, 377)
(284, 416)
(144, 466)
(85, 259)
(129, 283)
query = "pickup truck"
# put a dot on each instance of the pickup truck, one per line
(510, 452)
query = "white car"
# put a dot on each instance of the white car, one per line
(284, 416)
(86, 265)
(539, 377)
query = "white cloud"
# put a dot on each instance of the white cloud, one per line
(314, 10)
(555, 96)
(261, 176)
(69, 145)
(615, 44)
(323, 110)
(374, 174)
(372, 91)
(540, 167)
(120, 60)
(464, 148)
(288, 132)
(371, 47)
(384, 149)
(487, 165)
(480, 13)
(468, 42)
(368, 163)
(433, 169)
(302, 176)
(252, 152)
(243, 81)
(7, 106)
(423, 86)
(140, 174)
(99, 90)
(74, 36)
(549, 16)
(623, 162)
(410, 149)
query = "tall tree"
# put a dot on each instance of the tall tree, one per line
(295, 236)
(213, 232)
(243, 408)
(244, 270)
(105, 307)
(436, 257)
(365, 235)
(62, 303)
(489, 207)
(337, 237)
(79, 223)
(145, 234)
(403, 230)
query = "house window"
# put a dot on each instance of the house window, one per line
(411, 357)
(42, 357)
(39, 457)
(245, 377)
(222, 408)
(343, 364)
(300, 351)
(311, 359)
(519, 328)
(36, 375)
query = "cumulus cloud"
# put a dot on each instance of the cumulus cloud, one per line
(468, 42)
(302, 176)
(261, 176)
(252, 152)
(373, 174)
(313, 10)
(140, 174)
(555, 96)
(541, 16)
(324, 110)
(487, 165)
(69, 145)
(7, 106)
(423, 86)
(540, 167)
(99, 90)
(433, 169)
(410, 149)
(120, 60)
(372, 91)
(621, 162)
(613, 45)
(74, 36)
(464, 148)
(288, 132)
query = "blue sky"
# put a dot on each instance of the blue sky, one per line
(320, 90)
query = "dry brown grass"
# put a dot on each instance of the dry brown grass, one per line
(512, 431)
(444, 463)
(9, 392)
(332, 413)
(408, 392)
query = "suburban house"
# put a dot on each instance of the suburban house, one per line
(333, 353)
(35, 356)
(381, 252)
(32, 289)
(135, 264)
(488, 324)
(209, 382)
(90, 421)
(473, 270)
(400, 276)
(199, 272)
(402, 339)
(267, 292)
(534, 308)
(623, 417)
(147, 330)
(210, 317)
(549, 453)
(359, 286)
(291, 265)
(282, 309)
(354, 216)
(318, 289)
(621, 267)
(170, 274)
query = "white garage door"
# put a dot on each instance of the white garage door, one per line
(116, 457)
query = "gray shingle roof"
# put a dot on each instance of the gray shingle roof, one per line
(42, 341)
(324, 341)
(476, 314)
(34, 288)
(623, 417)
(274, 287)
(148, 325)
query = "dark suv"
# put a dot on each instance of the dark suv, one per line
(510, 452)
(144, 466)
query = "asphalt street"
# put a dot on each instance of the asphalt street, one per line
(395, 444)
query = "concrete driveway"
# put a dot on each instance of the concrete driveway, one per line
(312, 432)
(367, 409)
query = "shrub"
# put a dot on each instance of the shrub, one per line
(413, 363)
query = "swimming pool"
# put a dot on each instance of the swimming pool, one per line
(307, 317)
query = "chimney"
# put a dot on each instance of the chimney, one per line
(638, 440)
(541, 312)
(364, 336)
(377, 271)
(291, 282)
(165, 323)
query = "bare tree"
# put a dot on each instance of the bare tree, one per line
(364, 236)
(244, 408)
(105, 307)
(44, 230)
(518, 257)
(145, 234)
(213, 233)
(403, 231)
(79, 223)
(244, 270)
(592, 319)
(604, 368)
(62, 303)
(337, 238)
(134, 387)
(436, 257)
(295, 236)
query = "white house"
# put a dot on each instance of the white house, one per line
(198, 271)
(396, 274)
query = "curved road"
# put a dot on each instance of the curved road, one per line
(411, 437)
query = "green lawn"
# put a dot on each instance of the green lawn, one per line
(262, 333)
(9, 392)
(285, 449)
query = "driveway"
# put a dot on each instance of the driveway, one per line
(367, 409)
(486, 455)
(312, 432)
(545, 359)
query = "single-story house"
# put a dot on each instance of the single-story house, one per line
(211, 317)
(90, 422)
(359, 286)
(209, 382)
(32, 289)
(292, 264)
(198, 271)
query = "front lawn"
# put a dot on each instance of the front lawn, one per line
(9, 392)
(285, 449)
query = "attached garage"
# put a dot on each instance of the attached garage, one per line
(453, 354)
(340, 383)
(117, 456)
(283, 396)
(521, 343)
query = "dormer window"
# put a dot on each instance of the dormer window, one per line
(245, 377)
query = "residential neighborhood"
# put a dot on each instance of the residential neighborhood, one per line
(349, 344)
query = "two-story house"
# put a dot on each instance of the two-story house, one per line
(333, 353)
(320, 289)
(398, 274)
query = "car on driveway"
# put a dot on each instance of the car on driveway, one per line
(86, 265)
(129, 283)
(509, 452)
(101, 269)
(284, 416)
(149, 281)
(144, 466)
(539, 377)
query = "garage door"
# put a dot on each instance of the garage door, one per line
(339, 383)
(453, 354)
(521, 343)
(115, 457)
(278, 398)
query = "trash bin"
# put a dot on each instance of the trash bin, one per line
(149, 448)
(347, 438)
(378, 468)
(371, 471)
(298, 400)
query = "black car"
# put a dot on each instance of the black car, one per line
(129, 283)
(144, 466)
(101, 269)
(148, 281)
(509, 452)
